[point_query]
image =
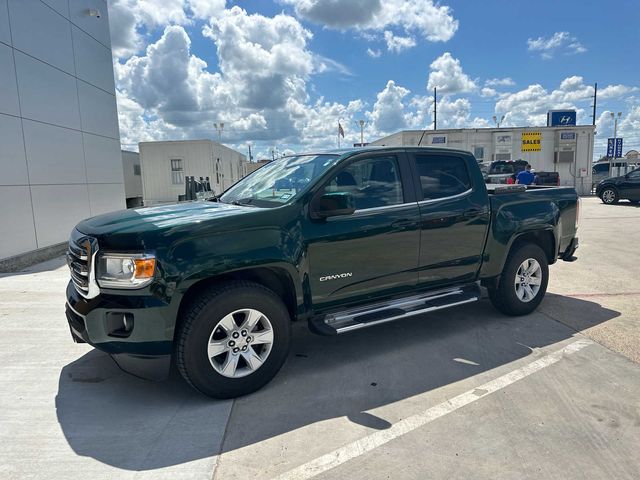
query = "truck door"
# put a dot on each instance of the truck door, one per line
(454, 217)
(374, 251)
(630, 186)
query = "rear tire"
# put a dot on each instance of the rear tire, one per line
(609, 196)
(523, 281)
(233, 340)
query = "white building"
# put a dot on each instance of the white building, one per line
(567, 150)
(60, 156)
(132, 178)
(166, 164)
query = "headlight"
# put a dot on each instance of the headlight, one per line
(125, 270)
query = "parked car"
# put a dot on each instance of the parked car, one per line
(500, 171)
(626, 187)
(376, 235)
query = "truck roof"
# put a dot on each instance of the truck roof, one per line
(377, 148)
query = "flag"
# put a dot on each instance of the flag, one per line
(340, 130)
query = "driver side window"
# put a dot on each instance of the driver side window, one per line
(373, 182)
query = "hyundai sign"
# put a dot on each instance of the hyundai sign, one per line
(561, 118)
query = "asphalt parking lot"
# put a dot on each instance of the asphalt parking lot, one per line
(467, 393)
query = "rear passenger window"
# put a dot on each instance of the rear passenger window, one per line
(442, 175)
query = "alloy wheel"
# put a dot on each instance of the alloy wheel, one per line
(240, 343)
(528, 280)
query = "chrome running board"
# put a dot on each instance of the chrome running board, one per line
(375, 314)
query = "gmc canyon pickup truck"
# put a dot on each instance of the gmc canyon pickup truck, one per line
(342, 240)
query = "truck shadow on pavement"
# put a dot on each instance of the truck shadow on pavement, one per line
(134, 424)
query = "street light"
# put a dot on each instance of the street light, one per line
(219, 130)
(495, 120)
(362, 123)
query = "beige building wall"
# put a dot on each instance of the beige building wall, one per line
(166, 164)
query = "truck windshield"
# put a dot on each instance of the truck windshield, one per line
(278, 182)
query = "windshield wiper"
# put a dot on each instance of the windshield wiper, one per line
(242, 201)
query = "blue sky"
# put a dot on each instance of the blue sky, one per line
(280, 74)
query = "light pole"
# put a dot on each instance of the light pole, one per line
(495, 120)
(219, 128)
(615, 136)
(362, 123)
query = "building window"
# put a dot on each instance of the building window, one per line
(218, 171)
(478, 152)
(177, 174)
(136, 170)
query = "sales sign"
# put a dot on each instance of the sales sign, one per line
(531, 141)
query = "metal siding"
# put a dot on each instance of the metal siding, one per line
(56, 150)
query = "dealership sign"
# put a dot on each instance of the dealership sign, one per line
(531, 141)
(438, 140)
(561, 118)
(614, 147)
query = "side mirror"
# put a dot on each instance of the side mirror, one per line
(333, 204)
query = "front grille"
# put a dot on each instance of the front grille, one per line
(79, 258)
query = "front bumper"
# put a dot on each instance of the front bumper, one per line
(145, 350)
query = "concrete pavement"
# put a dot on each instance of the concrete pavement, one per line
(66, 411)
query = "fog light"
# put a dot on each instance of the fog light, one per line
(119, 324)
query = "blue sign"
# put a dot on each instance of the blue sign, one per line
(567, 136)
(561, 118)
(614, 151)
(438, 140)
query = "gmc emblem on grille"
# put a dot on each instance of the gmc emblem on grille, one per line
(336, 276)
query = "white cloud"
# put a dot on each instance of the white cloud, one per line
(447, 76)
(529, 106)
(614, 91)
(207, 9)
(488, 92)
(499, 82)
(128, 17)
(398, 44)
(374, 53)
(547, 47)
(432, 21)
(388, 113)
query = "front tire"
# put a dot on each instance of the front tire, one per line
(609, 196)
(233, 340)
(523, 281)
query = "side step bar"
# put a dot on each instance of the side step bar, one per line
(369, 315)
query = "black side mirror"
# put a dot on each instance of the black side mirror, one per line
(333, 204)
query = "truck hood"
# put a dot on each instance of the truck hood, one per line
(161, 217)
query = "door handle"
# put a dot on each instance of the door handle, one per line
(404, 223)
(472, 212)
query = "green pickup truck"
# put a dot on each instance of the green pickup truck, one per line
(341, 239)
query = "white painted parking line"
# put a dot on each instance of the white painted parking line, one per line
(377, 439)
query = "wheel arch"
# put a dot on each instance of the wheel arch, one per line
(276, 279)
(545, 239)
